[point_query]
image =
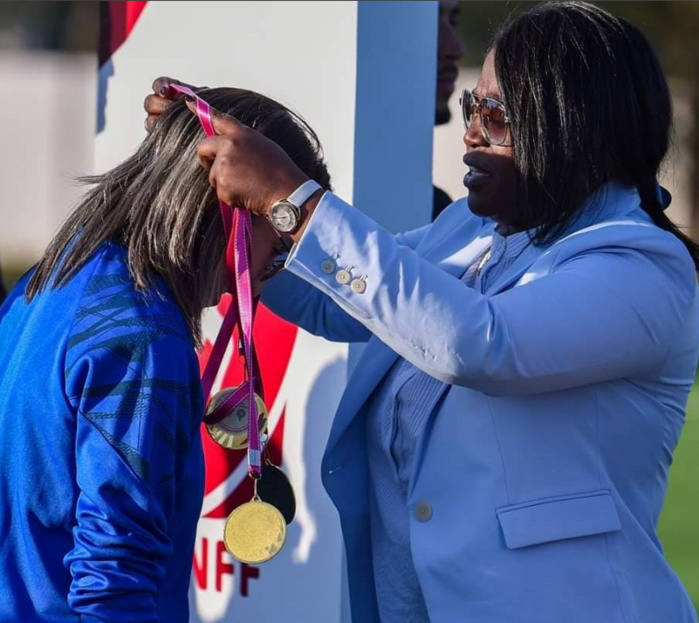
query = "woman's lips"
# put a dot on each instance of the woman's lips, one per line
(476, 176)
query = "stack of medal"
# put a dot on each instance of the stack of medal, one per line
(236, 418)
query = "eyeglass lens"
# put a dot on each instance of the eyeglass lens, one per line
(492, 115)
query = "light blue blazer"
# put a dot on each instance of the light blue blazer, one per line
(539, 479)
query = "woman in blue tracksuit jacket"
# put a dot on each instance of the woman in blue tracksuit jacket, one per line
(101, 463)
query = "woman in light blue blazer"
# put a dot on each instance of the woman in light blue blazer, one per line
(502, 450)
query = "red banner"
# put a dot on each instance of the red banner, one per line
(117, 20)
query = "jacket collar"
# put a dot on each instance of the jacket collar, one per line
(611, 201)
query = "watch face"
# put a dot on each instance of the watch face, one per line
(283, 217)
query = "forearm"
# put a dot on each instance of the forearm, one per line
(300, 303)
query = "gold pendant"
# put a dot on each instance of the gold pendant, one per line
(254, 532)
(232, 431)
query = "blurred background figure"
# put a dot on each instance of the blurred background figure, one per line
(449, 52)
(48, 63)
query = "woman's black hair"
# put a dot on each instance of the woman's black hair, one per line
(589, 103)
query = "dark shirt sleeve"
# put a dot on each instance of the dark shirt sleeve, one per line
(440, 200)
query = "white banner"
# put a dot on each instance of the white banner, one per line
(362, 74)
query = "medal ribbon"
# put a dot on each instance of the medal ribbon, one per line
(238, 229)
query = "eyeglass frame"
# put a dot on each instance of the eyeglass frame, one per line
(479, 102)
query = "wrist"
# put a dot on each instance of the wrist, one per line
(307, 210)
(288, 216)
(285, 191)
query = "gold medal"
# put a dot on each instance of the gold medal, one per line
(254, 532)
(232, 431)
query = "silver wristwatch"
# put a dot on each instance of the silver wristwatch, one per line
(285, 214)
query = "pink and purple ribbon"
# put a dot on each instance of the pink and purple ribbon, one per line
(238, 228)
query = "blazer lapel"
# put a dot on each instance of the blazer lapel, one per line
(515, 272)
(372, 366)
(455, 254)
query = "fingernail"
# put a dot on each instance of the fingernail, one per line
(163, 89)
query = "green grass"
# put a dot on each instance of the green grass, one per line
(679, 523)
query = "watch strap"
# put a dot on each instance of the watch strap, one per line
(303, 193)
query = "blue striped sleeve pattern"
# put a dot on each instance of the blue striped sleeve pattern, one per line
(131, 374)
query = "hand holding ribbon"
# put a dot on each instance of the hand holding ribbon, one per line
(247, 169)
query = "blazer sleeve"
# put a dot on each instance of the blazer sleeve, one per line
(297, 301)
(604, 313)
(131, 377)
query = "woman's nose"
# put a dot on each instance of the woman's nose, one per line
(473, 137)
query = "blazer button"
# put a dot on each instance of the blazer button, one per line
(423, 511)
(343, 277)
(358, 286)
(327, 266)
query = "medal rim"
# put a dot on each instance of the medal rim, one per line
(232, 515)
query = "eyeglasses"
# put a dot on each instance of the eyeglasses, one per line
(495, 124)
